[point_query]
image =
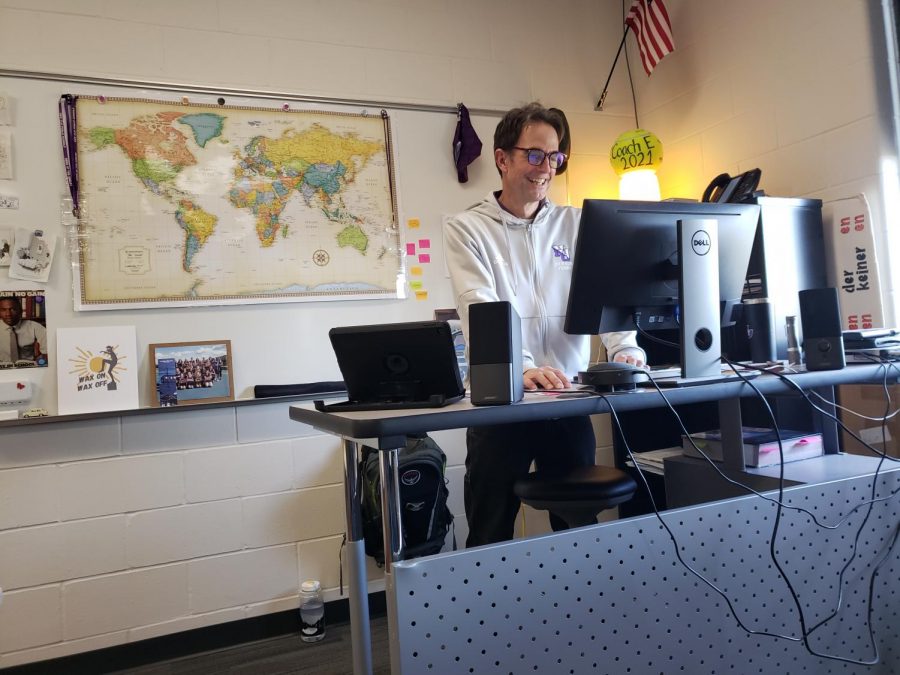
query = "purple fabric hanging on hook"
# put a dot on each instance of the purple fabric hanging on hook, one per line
(466, 144)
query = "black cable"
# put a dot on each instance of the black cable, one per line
(671, 534)
(636, 318)
(715, 466)
(630, 81)
(772, 542)
(834, 417)
(804, 633)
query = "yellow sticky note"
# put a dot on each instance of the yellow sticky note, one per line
(412, 223)
(421, 295)
(415, 271)
(415, 285)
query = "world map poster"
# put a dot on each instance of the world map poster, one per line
(183, 204)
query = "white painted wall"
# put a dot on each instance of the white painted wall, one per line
(130, 527)
(788, 87)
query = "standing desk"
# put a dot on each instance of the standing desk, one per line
(387, 431)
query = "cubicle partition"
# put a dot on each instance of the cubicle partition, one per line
(614, 598)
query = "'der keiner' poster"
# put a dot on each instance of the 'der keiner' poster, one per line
(97, 369)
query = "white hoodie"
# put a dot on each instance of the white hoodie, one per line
(493, 255)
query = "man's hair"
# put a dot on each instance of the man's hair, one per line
(507, 133)
(11, 298)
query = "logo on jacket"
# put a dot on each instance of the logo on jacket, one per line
(561, 251)
(410, 477)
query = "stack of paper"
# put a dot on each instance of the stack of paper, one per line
(652, 461)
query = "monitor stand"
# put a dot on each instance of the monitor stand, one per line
(698, 295)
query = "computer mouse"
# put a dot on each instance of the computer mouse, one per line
(613, 376)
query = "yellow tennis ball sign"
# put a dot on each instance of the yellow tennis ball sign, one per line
(636, 149)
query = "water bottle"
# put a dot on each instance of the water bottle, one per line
(759, 319)
(312, 611)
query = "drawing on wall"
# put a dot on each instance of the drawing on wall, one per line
(23, 330)
(97, 369)
(31, 255)
(184, 204)
(6, 243)
(6, 170)
(191, 372)
(5, 116)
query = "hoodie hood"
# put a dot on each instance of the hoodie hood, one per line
(490, 208)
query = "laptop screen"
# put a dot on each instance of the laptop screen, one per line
(400, 363)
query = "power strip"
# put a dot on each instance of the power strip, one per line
(15, 392)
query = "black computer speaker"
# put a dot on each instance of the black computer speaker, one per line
(820, 317)
(495, 354)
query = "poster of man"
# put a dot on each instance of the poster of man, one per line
(23, 329)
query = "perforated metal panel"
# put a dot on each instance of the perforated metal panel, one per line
(613, 598)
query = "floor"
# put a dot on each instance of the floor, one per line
(285, 654)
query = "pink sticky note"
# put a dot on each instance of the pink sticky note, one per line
(424, 258)
(410, 249)
(424, 243)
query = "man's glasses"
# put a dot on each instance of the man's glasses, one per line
(536, 156)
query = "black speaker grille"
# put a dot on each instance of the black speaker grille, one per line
(820, 313)
(489, 333)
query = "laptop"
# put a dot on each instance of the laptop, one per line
(396, 366)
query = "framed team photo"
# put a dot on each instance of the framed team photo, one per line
(187, 373)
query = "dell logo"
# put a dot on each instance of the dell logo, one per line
(700, 242)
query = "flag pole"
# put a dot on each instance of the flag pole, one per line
(599, 105)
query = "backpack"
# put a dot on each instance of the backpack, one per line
(425, 516)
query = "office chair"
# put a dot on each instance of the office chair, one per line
(578, 495)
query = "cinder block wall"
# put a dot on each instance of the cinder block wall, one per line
(122, 528)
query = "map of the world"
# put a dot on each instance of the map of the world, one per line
(184, 204)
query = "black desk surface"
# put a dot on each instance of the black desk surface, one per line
(391, 426)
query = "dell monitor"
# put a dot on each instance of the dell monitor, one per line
(653, 265)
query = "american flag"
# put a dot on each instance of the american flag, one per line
(650, 22)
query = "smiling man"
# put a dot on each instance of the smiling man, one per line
(516, 245)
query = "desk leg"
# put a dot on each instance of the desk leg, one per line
(826, 426)
(360, 633)
(393, 542)
(730, 426)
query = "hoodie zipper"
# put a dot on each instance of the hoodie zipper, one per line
(536, 278)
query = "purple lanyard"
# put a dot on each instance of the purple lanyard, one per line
(69, 136)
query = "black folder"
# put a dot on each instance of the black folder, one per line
(396, 366)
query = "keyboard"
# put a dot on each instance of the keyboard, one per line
(665, 371)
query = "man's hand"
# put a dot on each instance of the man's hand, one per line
(545, 377)
(629, 356)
